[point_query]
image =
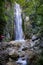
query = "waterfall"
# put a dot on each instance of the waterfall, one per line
(18, 31)
(18, 23)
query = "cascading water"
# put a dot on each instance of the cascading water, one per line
(21, 62)
(18, 23)
(18, 31)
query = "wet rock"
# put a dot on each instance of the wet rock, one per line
(41, 44)
(13, 53)
(4, 57)
(21, 53)
(34, 37)
(12, 63)
(3, 45)
(25, 48)
(34, 43)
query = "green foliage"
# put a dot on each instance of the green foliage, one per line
(21, 2)
(6, 19)
(40, 10)
(32, 8)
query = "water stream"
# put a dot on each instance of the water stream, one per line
(18, 23)
(21, 61)
(18, 31)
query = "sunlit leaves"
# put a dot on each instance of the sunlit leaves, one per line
(40, 10)
(21, 2)
(29, 8)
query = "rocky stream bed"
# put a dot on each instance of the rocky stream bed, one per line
(18, 52)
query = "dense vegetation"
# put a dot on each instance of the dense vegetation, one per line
(31, 8)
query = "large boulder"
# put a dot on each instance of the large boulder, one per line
(13, 53)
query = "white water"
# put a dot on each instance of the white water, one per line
(18, 31)
(21, 62)
(18, 23)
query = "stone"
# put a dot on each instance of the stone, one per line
(17, 49)
(34, 37)
(4, 57)
(13, 53)
(25, 48)
(21, 53)
(11, 63)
